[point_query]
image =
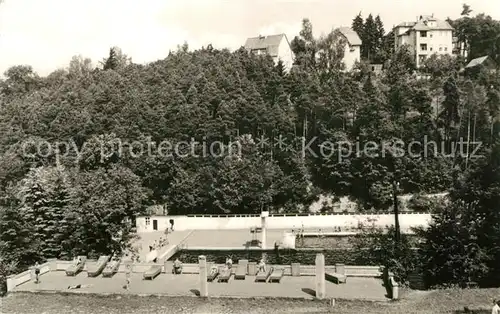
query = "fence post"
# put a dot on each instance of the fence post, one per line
(203, 276)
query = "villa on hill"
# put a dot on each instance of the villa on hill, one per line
(352, 50)
(426, 36)
(276, 46)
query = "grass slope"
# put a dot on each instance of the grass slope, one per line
(429, 302)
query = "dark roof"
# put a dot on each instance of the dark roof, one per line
(479, 61)
(270, 43)
(351, 36)
(406, 24)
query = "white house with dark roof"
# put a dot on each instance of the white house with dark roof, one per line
(352, 52)
(277, 46)
(426, 36)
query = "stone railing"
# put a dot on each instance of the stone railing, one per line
(27, 275)
(282, 222)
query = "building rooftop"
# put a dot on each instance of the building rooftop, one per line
(269, 43)
(406, 24)
(351, 36)
(479, 61)
(423, 24)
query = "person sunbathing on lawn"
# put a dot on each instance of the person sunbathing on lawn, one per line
(79, 286)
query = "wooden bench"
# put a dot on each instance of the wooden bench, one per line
(152, 272)
(336, 278)
(95, 269)
(76, 268)
(263, 276)
(276, 275)
(213, 273)
(111, 268)
(224, 275)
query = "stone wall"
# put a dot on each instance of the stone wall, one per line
(276, 221)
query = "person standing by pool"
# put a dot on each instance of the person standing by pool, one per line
(37, 272)
(128, 273)
(262, 266)
(229, 263)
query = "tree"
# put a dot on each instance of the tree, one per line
(18, 245)
(451, 252)
(479, 35)
(45, 194)
(111, 63)
(304, 45)
(19, 80)
(459, 243)
(450, 114)
(116, 59)
(466, 10)
(105, 212)
(370, 39)
(358, 25)
(376, 245)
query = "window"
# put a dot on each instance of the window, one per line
(430, 48)
(445, 48)
(148, 221)
(421, 58)
(440, 48)
(423, 34)
(423, 47)
(430, 35)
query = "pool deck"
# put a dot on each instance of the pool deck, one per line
(188, 285)
(230, 238)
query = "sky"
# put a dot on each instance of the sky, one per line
(46, 34)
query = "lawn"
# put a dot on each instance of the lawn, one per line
(429, 302)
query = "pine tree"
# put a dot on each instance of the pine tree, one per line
(44, 206)
(379, 56)
(370, 34)
(111, 62)
(55, 215)
(18, 244)
(450, 116)
(280, 68)
(35, 203)
(358, 25)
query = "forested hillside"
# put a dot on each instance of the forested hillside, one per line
(70, 149)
